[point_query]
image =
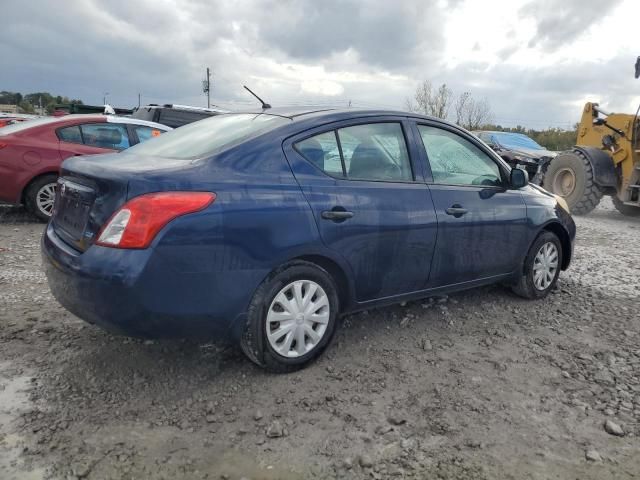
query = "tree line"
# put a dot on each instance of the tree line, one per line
(475, 114)
(29, 102)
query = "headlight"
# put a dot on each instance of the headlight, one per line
(563, 203)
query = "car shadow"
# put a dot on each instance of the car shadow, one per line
(10, 214)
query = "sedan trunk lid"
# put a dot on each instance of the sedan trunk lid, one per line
(91, 189)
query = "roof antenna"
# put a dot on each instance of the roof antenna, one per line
(264, 105)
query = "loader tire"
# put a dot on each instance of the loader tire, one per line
(570, 176)
(628, 210)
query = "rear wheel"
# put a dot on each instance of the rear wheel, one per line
(40, 195)
(570, 176)
(291, 318)
(627, 210)
(541, 267)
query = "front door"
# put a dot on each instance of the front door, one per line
(482, 225)
(370, 204)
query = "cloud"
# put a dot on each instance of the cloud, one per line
(561, 22)
(294, 52)
(384, 34)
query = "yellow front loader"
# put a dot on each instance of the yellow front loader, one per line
(605, 161)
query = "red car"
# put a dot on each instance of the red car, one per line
(31, 152)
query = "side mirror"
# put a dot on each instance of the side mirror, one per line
(518, 178)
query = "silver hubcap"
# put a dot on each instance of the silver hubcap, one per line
(298, 318)
(545, 266)
(45, 197)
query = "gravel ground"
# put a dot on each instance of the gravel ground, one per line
(478, 385)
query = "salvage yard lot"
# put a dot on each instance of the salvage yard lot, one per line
(481, 384)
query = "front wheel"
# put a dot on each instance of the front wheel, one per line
(291, 318)
(541, 267)
(40, 196)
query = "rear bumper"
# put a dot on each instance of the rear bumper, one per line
(143, 293)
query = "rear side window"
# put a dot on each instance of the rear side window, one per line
(322, 150)
(375, 151)
(70, 134)
(145, 133)
(105, 135)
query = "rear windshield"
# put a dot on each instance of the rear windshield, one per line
(18, 127)
(199, 139)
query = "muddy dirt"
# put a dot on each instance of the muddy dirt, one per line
(478, 385)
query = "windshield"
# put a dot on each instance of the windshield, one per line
(515, 140)
(18, 127)
(204, 137)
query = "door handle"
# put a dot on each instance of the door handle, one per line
(456, 210)
(336, 215)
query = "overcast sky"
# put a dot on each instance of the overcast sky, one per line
(536, 62)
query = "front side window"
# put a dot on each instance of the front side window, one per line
(456, 161)
(105, 135)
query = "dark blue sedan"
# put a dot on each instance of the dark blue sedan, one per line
(266, 227)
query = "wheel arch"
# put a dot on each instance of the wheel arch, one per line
(565, 240)
(33, 180)
(604, 170)
(337, 273)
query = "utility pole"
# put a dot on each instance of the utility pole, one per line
(206, 87)
(104, 98)
(138, 100)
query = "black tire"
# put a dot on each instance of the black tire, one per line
(31, 193)
(628, 210)
(254, 342)
(585, 195)
(525, 286)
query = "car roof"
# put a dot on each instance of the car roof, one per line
(135, 121)
(114, 119)
(174, 106)
(74, 119)
(111, 119)
(327, 115)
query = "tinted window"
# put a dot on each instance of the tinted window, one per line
(322, 150)
(70, 134)
(202, 138)
(375, 151)
(145, 133)
(456, 161)
(105, 135)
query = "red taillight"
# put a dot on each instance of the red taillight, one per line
(138, 221)
(2, 145)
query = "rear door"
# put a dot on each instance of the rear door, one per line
(482, 225)
(370, 202)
